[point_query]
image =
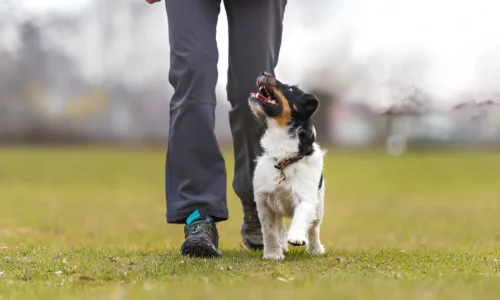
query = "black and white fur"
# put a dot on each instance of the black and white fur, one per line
(301, 195)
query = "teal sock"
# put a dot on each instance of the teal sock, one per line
(198, 215)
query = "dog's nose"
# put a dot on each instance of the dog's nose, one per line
(265, 74)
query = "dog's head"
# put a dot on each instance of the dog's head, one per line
(287, 109)
(285, 104)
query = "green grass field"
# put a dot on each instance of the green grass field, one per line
(88, 223)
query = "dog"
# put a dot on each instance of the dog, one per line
(288, 178)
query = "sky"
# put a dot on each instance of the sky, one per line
(453, 35)
(43, 6)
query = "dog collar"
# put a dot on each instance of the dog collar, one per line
(285, 163)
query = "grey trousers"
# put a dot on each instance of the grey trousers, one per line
(195, 169)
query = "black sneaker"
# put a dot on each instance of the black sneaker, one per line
(251, 230)
(201, 236)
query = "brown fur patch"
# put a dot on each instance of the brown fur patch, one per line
(285, 117)
(294, 106)
(271, 81)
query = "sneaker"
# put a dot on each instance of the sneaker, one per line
(201, 236)
(251, 231)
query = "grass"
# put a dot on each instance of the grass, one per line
(88, 223)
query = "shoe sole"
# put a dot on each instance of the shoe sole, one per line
(199, 247)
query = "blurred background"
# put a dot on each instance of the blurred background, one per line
(97, 71)
(84, 120)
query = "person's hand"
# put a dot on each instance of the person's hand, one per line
(153, 1)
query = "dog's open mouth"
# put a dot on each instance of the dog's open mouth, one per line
(264, 95)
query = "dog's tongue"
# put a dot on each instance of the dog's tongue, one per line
(258, 95)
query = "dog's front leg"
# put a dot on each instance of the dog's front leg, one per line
(315, 246)
(283, 235)
(270, 231)
(304, 215)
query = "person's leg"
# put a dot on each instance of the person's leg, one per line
(195, 174)
(255, 31)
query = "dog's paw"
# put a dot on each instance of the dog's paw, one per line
(274, 256)
(284, 247)
(316, 249)
(297, 239)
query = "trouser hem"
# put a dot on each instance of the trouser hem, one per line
(179, 217)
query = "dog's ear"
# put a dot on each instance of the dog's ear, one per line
(310, 104)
